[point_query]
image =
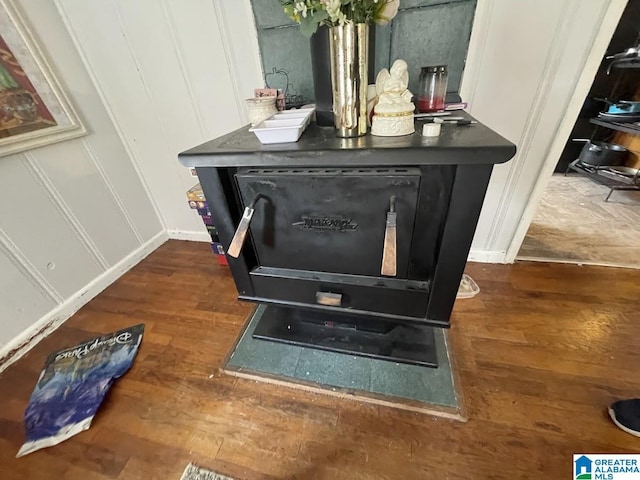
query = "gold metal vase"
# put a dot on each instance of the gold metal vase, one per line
(349, 46)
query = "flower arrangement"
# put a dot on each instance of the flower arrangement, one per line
(312, 13)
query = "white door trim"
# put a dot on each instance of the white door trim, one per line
(610, 16)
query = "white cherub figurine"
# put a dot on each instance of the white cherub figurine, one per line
(393, 113)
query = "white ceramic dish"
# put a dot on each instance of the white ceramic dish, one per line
(280, 122)
(306, 116)
(297, 111)
(288, 116)
(283, 127)
(279, 131)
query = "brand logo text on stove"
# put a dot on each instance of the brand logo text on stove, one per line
(326, 223)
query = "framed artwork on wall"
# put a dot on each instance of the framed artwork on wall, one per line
(34, 111)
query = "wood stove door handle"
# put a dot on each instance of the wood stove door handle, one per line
(241, 233)
(243, 227)
(389, 248)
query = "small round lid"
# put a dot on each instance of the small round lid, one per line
(431, 129)
(435, 69)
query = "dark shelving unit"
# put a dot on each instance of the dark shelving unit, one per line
(631, 128)
(605, 176)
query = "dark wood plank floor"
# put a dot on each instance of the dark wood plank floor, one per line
(542, 350)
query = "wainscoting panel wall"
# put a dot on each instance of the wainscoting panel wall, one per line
(149, 79)
(72, 179)
(72, 214)
(170, 78)
(42, 230)
(23, 300)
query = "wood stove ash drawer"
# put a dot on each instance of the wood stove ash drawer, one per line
(372, 296)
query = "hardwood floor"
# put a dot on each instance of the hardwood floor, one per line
(541, 351)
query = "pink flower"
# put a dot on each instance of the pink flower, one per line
(388, 12)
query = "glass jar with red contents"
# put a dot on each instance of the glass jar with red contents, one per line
(433, 88)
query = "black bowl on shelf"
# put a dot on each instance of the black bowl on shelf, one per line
(598, 154)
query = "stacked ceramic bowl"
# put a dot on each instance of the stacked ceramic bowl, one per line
(283, 127)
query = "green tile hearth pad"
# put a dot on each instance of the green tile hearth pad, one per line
(330, 370)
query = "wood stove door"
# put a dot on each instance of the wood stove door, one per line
(329, 220)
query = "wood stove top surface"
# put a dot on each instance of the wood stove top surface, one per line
(456, 145)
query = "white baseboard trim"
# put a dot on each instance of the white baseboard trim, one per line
(487, 256)
(192, 236)
(24, 342)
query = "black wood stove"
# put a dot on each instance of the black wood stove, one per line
(356, 245)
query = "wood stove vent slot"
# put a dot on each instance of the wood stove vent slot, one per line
(336, 171)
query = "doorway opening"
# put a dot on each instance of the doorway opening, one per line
(590, 210)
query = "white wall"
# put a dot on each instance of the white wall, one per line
(525, 61)
(73, 214)
(173, 74)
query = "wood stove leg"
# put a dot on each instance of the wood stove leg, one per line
(467, 195)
